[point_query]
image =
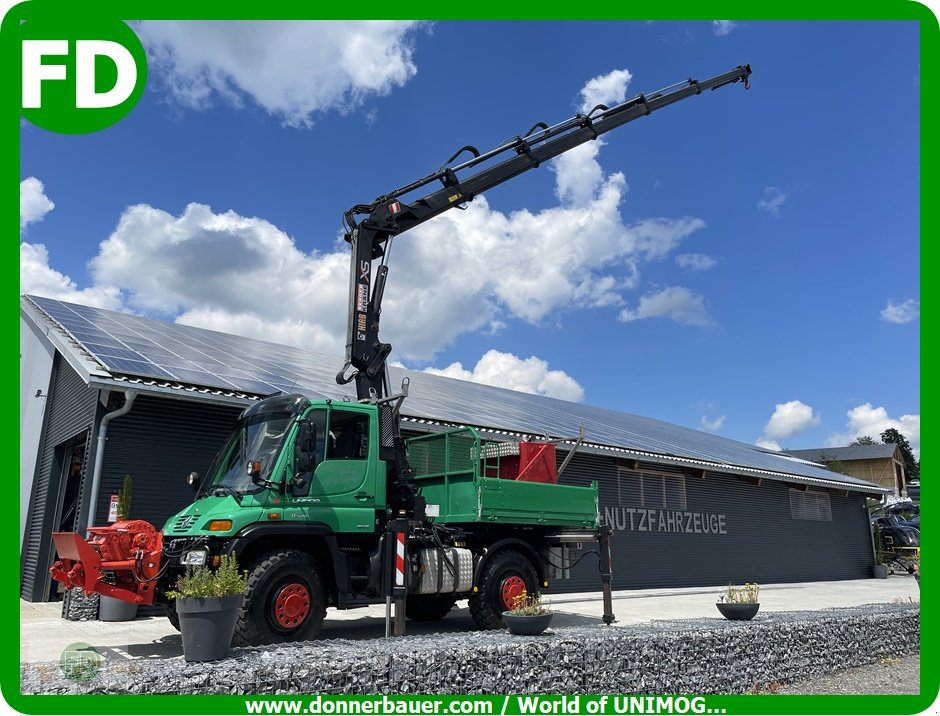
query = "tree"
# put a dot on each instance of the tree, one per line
(832, 463)
(863, 440)
(911, 466)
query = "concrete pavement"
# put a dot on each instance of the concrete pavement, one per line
(44, 634)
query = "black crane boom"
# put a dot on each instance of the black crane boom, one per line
(390, 215)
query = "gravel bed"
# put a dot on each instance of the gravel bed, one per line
(78, 606)
(677, 656)
(888, 676)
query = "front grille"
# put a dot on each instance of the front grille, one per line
(184, 523)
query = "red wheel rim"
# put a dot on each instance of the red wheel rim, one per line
(291, 605)
(512, 588)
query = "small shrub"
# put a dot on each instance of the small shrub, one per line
(527, 605)
(124, 499)
(740, 595)
(201, 582)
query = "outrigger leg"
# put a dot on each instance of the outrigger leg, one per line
(604, 535)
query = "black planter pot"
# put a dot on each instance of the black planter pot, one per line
(207, 625)
(111, 609)
(527, 625)
(880, 571)
(738, 612)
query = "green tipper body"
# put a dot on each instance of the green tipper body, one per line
(448, 469)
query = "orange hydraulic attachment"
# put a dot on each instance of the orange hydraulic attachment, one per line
(120, 561)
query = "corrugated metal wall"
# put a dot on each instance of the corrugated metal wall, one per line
(70, 411)
(716, 530)
(159, 442)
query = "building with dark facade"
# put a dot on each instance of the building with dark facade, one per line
(106, 394)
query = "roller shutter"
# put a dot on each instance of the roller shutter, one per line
(158, 443)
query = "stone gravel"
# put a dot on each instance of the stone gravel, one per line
(888, 676)
(706, 655)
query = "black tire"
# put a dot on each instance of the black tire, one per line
(429, 607)
(172, 616)
(487, 605)
(285, 600)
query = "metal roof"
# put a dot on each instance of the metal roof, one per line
(851, 452)
(108, 346)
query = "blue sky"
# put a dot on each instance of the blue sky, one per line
(745, 262)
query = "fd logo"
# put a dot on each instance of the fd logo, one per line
(80, 73)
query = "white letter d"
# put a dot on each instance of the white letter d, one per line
(85, 53)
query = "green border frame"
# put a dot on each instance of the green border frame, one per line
(283, 9)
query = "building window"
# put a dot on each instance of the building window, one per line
(810, 505)
(655, 492)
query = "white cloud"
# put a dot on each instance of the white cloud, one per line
(609, 89)
(772, 200)
(37, 277)
(657, 237)
(695, 262)
(868, 420)
(903, 312)
(723, 27)
(464, 271)
(528, 375)
(293, 69)
(578, 174)
(34, 204)
(768, 444)
(712, 424)
(788, 419)
(675, 302)
(260, 284)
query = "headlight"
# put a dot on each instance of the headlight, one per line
(195, 558)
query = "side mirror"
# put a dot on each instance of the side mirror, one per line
(305, 447)
(192, 479)
(254, 472)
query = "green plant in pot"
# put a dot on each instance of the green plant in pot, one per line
(739, 603)
(528, 616)
(124, 499)
(111, 609)
(207, 605)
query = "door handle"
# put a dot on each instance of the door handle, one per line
(363, 496)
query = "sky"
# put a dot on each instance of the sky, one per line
(743, 262)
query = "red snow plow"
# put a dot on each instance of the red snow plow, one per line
(120, 561)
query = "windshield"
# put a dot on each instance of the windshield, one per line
(258, 437)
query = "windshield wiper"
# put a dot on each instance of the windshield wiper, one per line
(226, 490)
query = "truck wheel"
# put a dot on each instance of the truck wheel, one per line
(285, 600)
(504, 577)
(429, 607)
(172, 616)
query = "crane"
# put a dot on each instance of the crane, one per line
(371, 227)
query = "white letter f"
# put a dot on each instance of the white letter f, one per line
(34, 71)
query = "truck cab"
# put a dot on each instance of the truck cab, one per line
(291, 460)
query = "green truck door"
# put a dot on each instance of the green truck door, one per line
(342, 492)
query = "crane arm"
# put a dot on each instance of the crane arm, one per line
(390, 215)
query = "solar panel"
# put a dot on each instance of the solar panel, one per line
(147, 348)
